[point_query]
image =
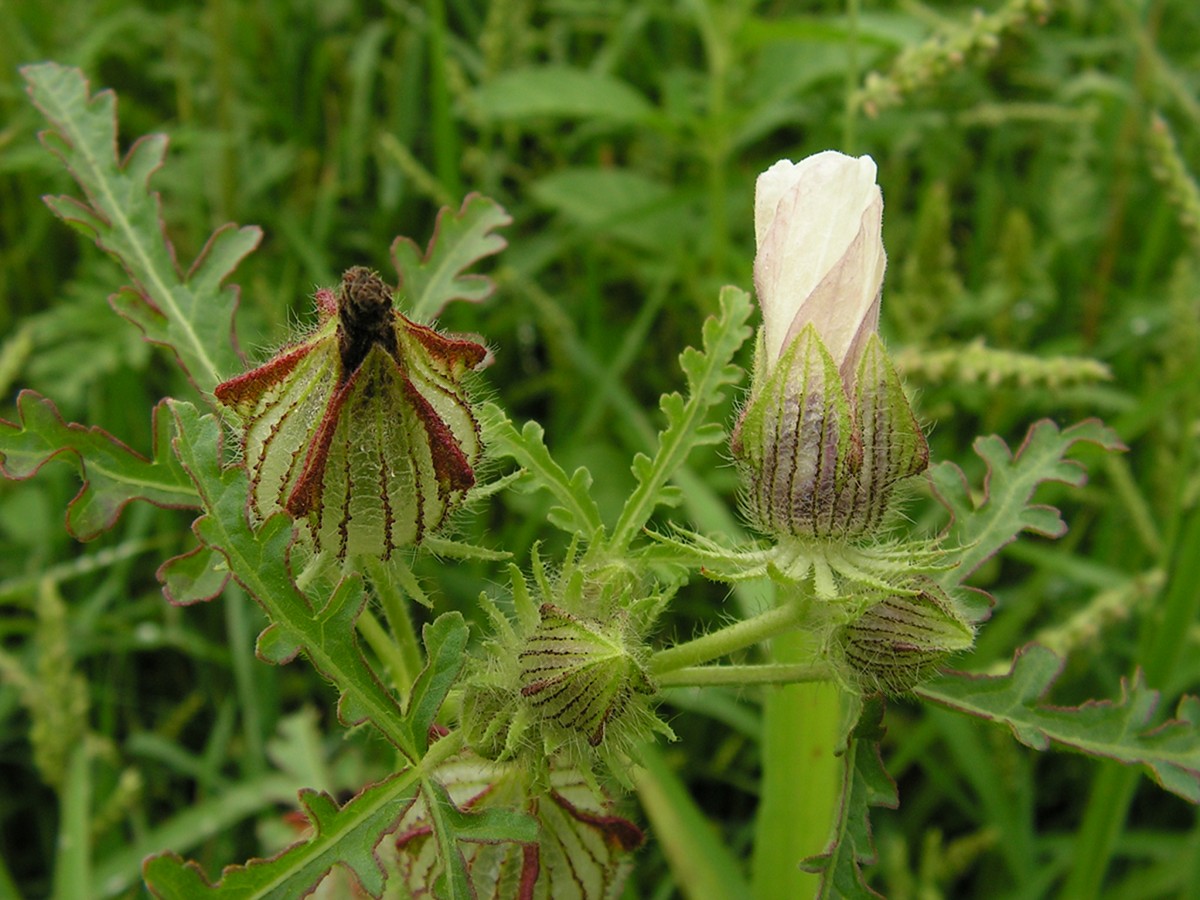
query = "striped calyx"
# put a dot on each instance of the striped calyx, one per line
(820, 457)
(579, 674)
(363, 430)
(900, 640)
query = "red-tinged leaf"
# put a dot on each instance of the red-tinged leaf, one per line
(1126, 729)
(193, 577)
(112, 474)
(432, 279)
(190, 314)
(982, 528)
(349, 836)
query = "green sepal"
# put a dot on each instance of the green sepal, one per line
(578, 673)
(797, 443)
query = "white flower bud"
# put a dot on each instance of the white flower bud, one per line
(827, 430)
(818, 225)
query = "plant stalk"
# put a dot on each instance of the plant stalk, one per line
(738, 636)
(801, 781)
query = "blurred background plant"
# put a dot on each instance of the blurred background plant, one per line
(1038, 162)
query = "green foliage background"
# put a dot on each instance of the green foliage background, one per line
(1044, 241)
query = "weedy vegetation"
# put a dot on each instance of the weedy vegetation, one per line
(391, 367)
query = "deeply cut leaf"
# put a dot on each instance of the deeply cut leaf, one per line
(1124, 730)
(190, 314)
(708, 372)
(348, 835)
(576, 512)
(432, 279)
(258, 559)
(112, 473)
(982, 529)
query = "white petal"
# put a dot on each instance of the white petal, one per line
(808, 216)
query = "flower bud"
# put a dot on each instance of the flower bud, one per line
(363, 430)
(900, 639)
(827, 431)
(579, 674)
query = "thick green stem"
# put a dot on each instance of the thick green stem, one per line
(801, 780)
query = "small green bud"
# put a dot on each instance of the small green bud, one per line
(579, 674)
(900, 640)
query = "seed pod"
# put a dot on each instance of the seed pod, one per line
(363, 430)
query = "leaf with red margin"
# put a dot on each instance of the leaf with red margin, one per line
(431, 280)
(1123, 729)
(258, 559)
(865, 783)
(193, 577)
(348, 836)
(112, 474)
(982, 528)
(191, 314)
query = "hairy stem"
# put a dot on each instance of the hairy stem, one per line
(801, 780)
(406, 661)
(734, 637)
(774, 673)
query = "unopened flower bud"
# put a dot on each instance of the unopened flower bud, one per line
(901, 639)
(363, 430)
(827, 431)
(579, 674)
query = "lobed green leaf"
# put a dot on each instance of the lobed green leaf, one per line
(577, 512)
(190, 314)
(1124, 730)
(445, 641)
(258, 559)
(983, 528)
(113, 475)
(431, 280)
(707, 373)
(348, 835)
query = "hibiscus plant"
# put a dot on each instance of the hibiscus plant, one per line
(324, 478)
